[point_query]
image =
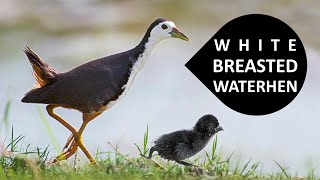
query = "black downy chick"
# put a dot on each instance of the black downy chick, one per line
(180, 145)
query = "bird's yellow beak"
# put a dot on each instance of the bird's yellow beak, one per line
(178, 34)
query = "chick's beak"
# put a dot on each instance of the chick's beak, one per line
(178, 34)
(219, 128)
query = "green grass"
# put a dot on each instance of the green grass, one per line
(5, 118)
(20, 161)
(17, 162)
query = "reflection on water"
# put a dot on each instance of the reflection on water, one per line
(165, 95)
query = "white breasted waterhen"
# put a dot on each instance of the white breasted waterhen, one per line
(94, 86)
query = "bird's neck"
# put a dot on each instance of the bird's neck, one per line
(203, 135)
(140, 54)
(149, 45)
(144, 48)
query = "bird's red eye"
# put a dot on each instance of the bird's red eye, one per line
(164, 26)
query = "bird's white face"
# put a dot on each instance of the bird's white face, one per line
(167, 29)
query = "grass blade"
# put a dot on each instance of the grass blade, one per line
(145, 141)
(5, 118)
(49, 131)
(245, 166)
(214, 148)
(138, 148)
(283, 170)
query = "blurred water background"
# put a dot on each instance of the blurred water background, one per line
(165, 95)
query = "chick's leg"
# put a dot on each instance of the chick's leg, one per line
(185, 163)
(150, 153)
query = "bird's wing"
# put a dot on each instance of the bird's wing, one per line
(87, 87)
(182, 151)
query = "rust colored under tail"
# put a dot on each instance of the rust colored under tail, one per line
(42, 72)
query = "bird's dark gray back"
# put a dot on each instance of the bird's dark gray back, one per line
(89, 86)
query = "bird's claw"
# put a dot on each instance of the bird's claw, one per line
(54, 161)
(61, 157)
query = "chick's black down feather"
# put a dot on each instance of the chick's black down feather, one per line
(180, 145)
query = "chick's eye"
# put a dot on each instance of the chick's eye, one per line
(164, 26)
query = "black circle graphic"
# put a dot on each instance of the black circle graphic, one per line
(255, 64)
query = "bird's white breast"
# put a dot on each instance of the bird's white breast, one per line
(138, 65)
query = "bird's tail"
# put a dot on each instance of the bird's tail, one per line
(42, 72)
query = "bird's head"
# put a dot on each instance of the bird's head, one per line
(207, 125)
(164, 29)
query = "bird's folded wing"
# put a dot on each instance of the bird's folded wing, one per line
(182, 151)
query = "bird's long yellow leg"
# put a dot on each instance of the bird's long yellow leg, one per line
(70, 139)
(76, 137)
(72, 149)
(69, 152)
(58, 118)
(86, 119)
